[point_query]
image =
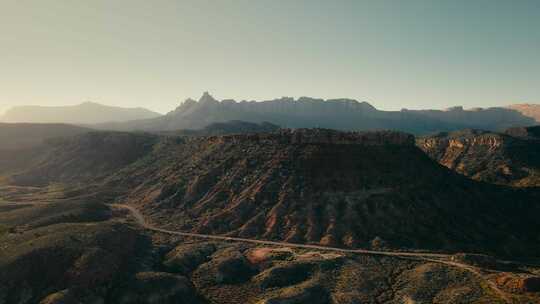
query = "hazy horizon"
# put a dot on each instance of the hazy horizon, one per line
(392, 54)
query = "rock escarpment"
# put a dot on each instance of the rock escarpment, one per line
(510, 158)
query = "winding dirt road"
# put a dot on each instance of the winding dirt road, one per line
(142, 222)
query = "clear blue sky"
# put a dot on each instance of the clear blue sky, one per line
(393, 54)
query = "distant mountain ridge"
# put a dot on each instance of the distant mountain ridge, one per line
(83, 114)
(527, 109)
(340, 114)
(28, 135)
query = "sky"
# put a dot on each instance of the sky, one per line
(394, 54)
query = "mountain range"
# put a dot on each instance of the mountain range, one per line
(83, 114)
(304, 112)
(340, 114)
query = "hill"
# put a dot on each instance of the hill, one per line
(529, 110)
(341, 114)
(26, 135)
(83, 114)
(83, 158)
(326, 187)
(509, 158)
(21, 142)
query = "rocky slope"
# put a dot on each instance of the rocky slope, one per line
(326, 187)
(85, 113)
(510, 158)
(342, 114)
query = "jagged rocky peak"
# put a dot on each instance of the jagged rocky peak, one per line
(327, 136)
(186, 104)
(206, 98)
(455, 109)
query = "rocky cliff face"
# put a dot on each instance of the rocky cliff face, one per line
(511, 158)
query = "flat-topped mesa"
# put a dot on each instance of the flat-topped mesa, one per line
(325, 136)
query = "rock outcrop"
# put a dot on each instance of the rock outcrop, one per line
(510, 158)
